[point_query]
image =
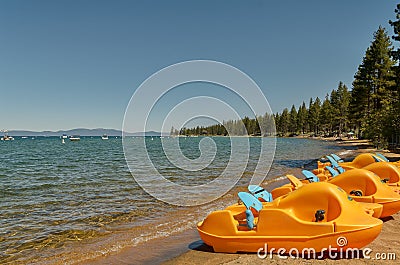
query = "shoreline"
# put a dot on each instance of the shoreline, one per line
(387, 241)
(187, 248)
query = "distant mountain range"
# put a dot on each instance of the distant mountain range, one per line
(83, 132)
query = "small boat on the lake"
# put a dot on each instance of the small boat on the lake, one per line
(75, 138)
(6, 137)
(64, 136)
(104, 137)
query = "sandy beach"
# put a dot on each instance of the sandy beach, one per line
(386, 243)
(187, 248)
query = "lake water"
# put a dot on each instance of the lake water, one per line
(66, 203)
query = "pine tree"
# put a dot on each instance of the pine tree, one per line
(277, 119)
(343, 97)
(396, 30)
(172, 132)
(372, 94)
(313, 115)
(269, 123)
(325, 116)
(284, 121)
(317, 110)
(293, 120)
(360, 98)
(395, 109)
(302, 118)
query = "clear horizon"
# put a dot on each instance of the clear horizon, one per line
(77, 64)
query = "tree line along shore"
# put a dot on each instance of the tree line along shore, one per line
(369, 110)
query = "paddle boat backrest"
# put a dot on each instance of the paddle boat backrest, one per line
(362, 180)
(362, 160)
(310, 176)
(296, 183)
(315, 202)
(337, 158)
(388, 172)
(377, 158)
(335, 164)
(260, 193)
(250, 202)
(382, 157)
(333, 172)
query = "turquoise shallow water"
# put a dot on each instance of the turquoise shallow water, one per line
(78, 200)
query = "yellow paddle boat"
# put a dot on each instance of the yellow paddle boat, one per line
(360, 184)
(388, 172)
(313, 216)
(366, 158)
(360, 161)
(365, 186)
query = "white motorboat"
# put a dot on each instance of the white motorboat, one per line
(104, 137)
(6, 137)
(75, 138)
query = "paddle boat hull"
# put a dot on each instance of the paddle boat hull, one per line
(371, 188)
(290, 222)
(360, 161)
(388, 172)
(246, 243)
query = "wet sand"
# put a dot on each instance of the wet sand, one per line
(151, 252)
(387, 242)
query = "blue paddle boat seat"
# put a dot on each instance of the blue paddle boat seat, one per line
(335, 164)
(250, 202)
(382, 157)
(337, 158)
(331, 170)
(260, 193)
(310, 176)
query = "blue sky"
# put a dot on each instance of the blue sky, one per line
(69, 64)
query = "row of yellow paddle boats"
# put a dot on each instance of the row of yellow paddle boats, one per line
(337, 200)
